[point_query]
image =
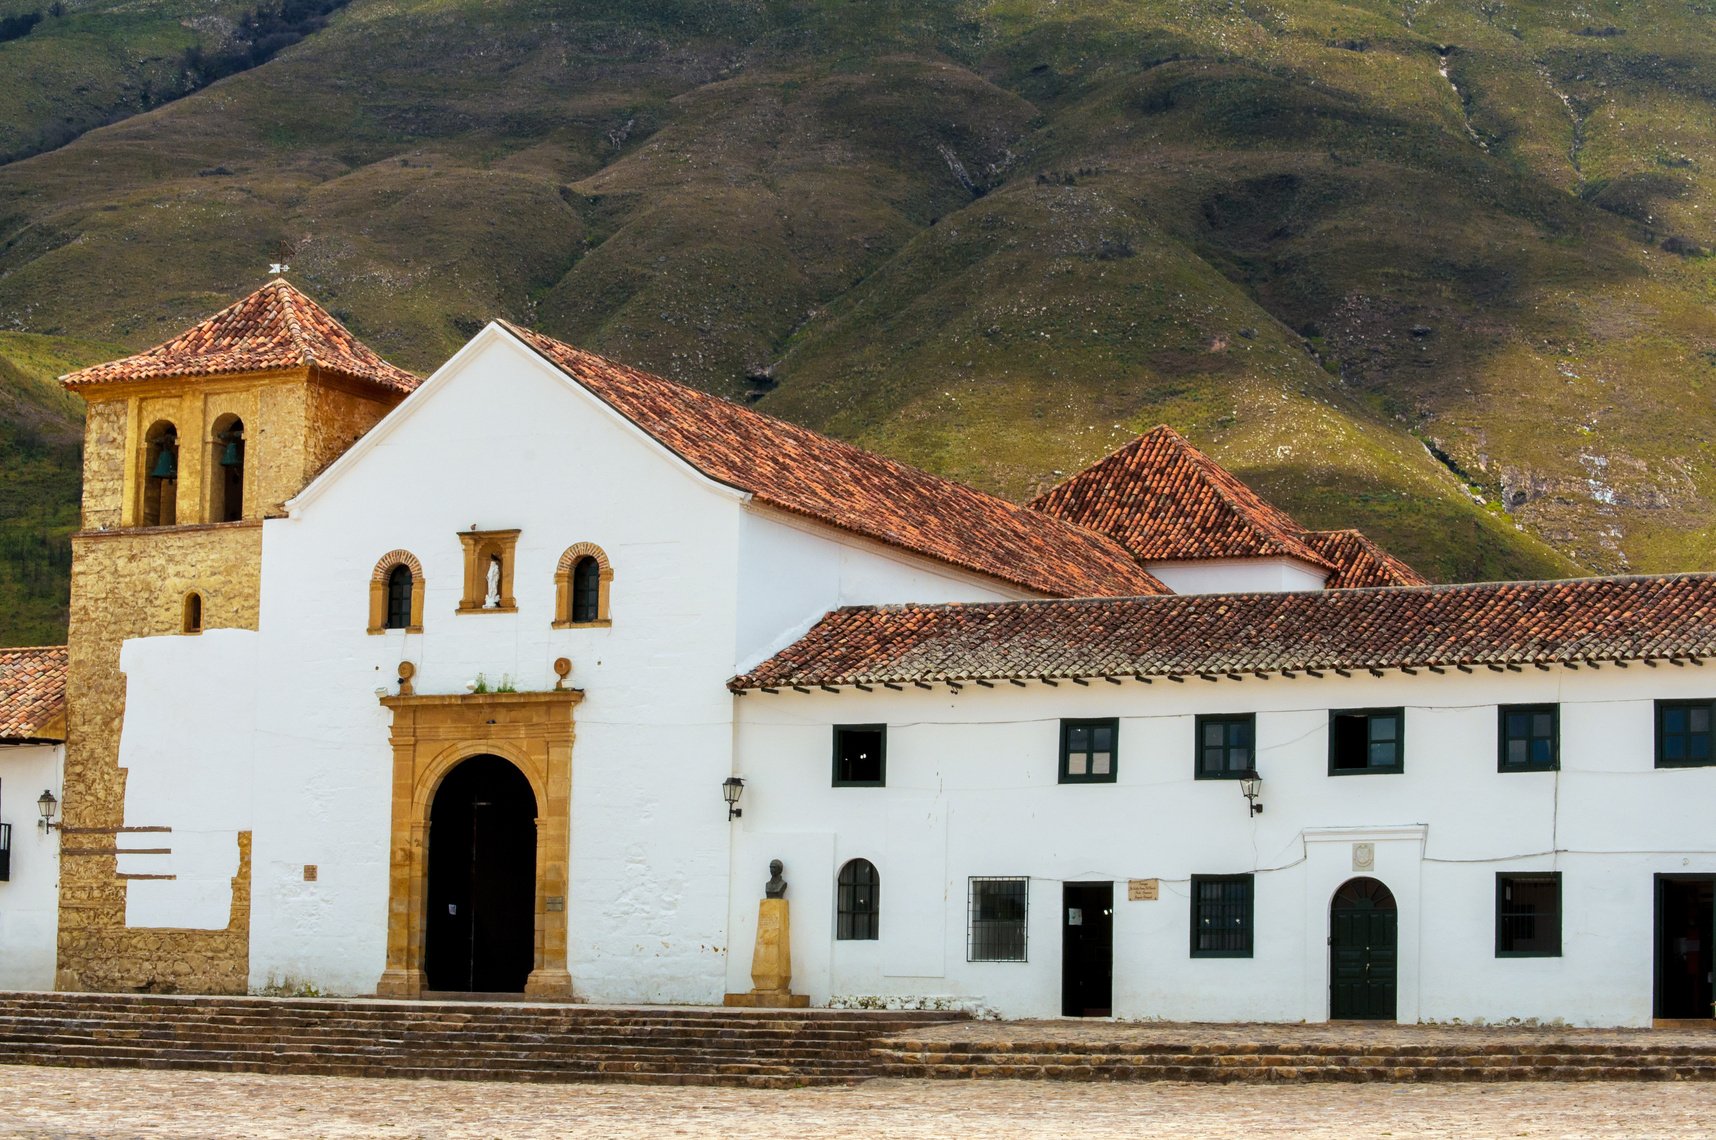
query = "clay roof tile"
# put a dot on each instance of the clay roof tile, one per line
(32, 693)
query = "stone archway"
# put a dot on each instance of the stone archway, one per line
(432, 734)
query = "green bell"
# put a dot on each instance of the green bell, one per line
(232, 455)
(166, 465)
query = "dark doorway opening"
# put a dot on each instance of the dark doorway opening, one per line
(1087, 949)
(480, 935)
(1684, 928)
(1364, 931)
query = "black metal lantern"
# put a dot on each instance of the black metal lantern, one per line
(1251, 786)
(731, 789)
(47, 805)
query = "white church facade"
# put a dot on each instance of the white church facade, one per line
(1143, 748)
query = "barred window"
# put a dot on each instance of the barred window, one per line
(399, 587)
(586, 589)
(859, 891)
(1087, 751)
(1226, 748)
(997, 920)
(1221, 916)
(1528, 915)
(1530, 739)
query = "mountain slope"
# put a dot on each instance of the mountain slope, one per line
(995, 237)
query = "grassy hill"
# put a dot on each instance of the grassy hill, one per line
(1434, 268)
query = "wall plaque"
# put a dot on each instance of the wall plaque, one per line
(1364, 856)
(1143, 890)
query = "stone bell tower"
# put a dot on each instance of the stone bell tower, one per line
(187, 448)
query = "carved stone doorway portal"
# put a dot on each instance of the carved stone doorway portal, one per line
(433, 735)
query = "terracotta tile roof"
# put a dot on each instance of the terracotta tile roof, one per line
(32, 693)
(1492, 623)
(1166, 501)
(798, 470)
(274, 327)
(1359, 562)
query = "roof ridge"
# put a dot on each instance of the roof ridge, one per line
(288, 297)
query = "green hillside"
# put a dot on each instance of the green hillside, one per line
(1435, 268)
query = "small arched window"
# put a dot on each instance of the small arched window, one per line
(193, 615)
(399, 583)
(586, 589)
(860, 888)
(159, 505)
(226, 471)
(396, 593)
(581, 583)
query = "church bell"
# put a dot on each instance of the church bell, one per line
(166, 465)
(232, 454)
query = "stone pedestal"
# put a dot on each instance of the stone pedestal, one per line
(771, 962)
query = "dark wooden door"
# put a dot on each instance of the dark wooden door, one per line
(1087, 949)
(1685, 917)
(1363, 952)
(481, 929)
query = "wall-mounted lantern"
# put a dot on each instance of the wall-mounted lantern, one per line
(731, 789)
(1251, 786)
(47, 805)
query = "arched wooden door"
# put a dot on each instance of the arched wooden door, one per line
(1364, 929)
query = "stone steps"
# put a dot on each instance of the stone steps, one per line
(1226, 1062)
(449, 1040)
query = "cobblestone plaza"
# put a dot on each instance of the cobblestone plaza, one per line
(80, 1103)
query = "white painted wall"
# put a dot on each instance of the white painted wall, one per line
(29, 901)
(1238, 575)
(972, 790)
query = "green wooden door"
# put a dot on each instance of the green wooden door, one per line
(1363, 952)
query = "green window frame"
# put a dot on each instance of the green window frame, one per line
(1528, 738)
(1528, 914)
(1225, 747)
(1365, 742)
(860, 755)
(1223, 909)
(1090, 751)
(1683, 734)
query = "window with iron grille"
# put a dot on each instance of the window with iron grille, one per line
(1528, 915)
(1683, 734)
(859, 898)
(1366, 740)
(399, 586)
(1226, 746)
(860, 755)
(586, 589)
(1221, 916)
(1087, 751)
(5, 852)
(997, 919)
(1530, 738)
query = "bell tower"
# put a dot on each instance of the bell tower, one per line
(188, 447)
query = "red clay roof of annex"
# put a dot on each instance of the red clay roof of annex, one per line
(1164, 500)
(801, 471)
(1497, 624)
(1359, 562)
(32, 692)
(274, 327)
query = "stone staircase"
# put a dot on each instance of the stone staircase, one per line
(1280, 1058)
(449, 1040)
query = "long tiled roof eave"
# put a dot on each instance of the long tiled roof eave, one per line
(1170, 635)
(32, 693)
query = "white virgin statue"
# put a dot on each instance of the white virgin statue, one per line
(493, 598)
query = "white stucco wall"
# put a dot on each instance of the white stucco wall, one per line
(1238, 575)
(972, 790)
(29, 901)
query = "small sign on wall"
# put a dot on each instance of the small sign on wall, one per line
(1143, 890)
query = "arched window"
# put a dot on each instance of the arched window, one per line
(581, 584)
(860, 888)
(160, 485)
(396, 593)
(226, 470)
(586, 589)
(193, 615)
(399, 583)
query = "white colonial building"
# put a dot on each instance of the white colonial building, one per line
(1144, 747)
